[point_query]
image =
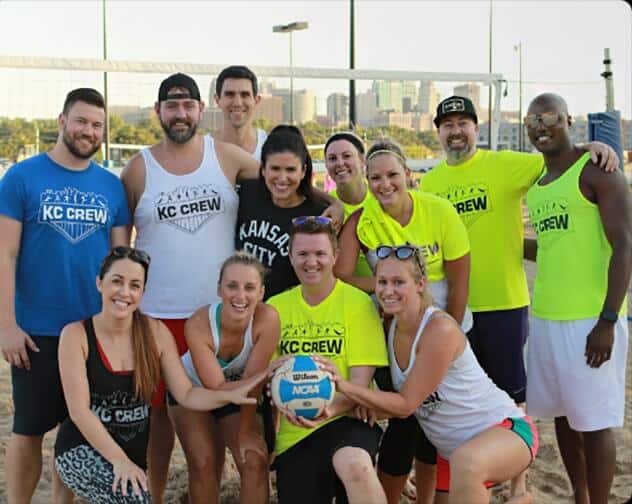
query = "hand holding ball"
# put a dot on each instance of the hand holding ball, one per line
(300, 387)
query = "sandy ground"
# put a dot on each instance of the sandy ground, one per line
(547, 478)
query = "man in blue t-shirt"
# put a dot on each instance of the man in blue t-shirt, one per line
(59, 215)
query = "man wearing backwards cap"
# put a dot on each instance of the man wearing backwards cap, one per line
(181, 193)
(182, 196)
(486, 188)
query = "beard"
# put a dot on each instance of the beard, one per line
(179, 136)
(458, 153)
(72, 143)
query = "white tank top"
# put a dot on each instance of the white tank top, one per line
(187, 225)
(234, 369)
(465, 403)
(261, 138)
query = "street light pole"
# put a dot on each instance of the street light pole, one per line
(289, 29)
(106, 160)
(518, 47)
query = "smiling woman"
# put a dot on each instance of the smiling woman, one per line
(110, 365)
(267, 206)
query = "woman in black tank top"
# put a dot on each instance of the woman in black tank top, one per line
(110, 365)
(268, 205)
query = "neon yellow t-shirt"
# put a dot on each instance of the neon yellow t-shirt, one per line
(345, 328)
(434, 226)
(362, 266)
(487, 192)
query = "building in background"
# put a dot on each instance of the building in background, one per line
(428, 97)
(471, 91)
(338, 108)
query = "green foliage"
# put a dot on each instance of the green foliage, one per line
(19, 135)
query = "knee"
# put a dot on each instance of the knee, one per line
(353, 465)
(201, 462)
(256, 464)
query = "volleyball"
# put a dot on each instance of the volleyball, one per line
(299, 386)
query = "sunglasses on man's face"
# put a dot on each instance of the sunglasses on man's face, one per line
(136, 255)
(312, 219)
(547, 119)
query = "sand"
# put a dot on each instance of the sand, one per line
(547, 477)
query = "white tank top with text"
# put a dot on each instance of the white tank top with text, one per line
(465, 403)
(186, 223)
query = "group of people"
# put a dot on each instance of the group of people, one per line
(238, 262)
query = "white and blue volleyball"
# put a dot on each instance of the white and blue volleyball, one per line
(299, 386)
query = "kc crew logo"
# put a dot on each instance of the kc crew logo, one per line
(470, 201)
(122, 412)
(312, 338)
(73, 213)
(188, 208)
(550, 220)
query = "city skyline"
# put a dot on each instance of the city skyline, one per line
(408, 35)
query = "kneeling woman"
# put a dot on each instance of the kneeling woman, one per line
(473, 424)
(110, 365)
(229, 340)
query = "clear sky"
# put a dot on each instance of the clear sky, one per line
(562, 42)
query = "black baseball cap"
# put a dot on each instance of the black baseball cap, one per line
(455, 105)
(182, 81)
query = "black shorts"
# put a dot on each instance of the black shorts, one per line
(38, 398)
(305, 472)
(403, 440)
(497, 339)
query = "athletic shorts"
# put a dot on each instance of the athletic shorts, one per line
(561, 384)
(497, 339)
(176, 326)
(90, 476)
(305, 472)
(38, 398)
(403, 439)
(523, 427)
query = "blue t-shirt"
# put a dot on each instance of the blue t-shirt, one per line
(66, 217)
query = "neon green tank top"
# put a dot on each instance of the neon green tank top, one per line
(362, 266)
(573, 251)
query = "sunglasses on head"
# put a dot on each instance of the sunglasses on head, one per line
(311, 219)
(136, 255)
(547, 119)
(402, 252)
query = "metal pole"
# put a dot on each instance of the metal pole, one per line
(607, 75)
(291, 83)
(352, 103)
(489, 102)
(106, 161)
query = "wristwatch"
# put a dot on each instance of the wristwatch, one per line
(609, 316)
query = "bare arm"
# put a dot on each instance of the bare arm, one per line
(349, 245)
(266, 332)
(335, 211)
(457, 273)
(197, 331)
(13, 339)
(196, 398)
(602, 155)
(615, 207)
(441, 342)
(133, 178)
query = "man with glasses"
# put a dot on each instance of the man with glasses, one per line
(579, 333)
(60, 213)
(331, 455)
